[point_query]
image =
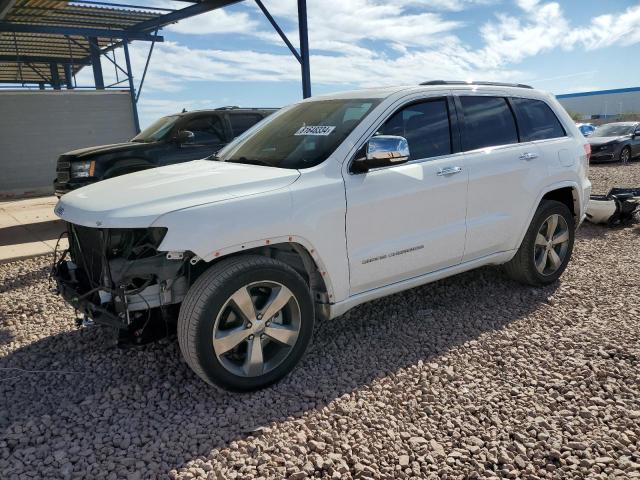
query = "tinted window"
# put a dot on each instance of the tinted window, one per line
(300, 136)
(241, 122)
(488, 122)
(536, 121)
(207, 130)
(157, 130)
(424, 125)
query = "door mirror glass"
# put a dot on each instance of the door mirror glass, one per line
(382, 151)
(186, 136)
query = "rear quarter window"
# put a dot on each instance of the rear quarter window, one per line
(536, 120)
(488, 122)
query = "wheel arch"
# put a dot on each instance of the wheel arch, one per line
(293, 251)
(564, 192)
(568, 196)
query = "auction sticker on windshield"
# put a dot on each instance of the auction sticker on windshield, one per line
(321, 130)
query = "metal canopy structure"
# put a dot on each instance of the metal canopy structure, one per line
(47, 42)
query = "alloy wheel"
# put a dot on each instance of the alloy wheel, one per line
(256, 328)
(624, 155)
(552, 245)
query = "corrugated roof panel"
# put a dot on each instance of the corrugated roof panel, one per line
(54, 46)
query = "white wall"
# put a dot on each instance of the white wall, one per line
(36, 127)
(605, 104)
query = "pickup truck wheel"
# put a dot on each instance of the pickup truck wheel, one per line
(246, 322)
(547, 246)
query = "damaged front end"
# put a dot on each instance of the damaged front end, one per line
(118, 277)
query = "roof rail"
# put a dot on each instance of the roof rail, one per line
(230, 107)
(460, 82)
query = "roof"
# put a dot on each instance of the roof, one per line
(599, 92)
(384, 92)
(31, 35)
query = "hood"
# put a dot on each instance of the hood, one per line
(100, 149)
(603, 140)
(137, 199)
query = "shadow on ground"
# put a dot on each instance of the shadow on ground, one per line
(38, 231)
(146, 404)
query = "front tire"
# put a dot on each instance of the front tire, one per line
(546, 248)
(625, 155)
(246, 322)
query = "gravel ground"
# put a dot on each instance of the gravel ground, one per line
(474, 376)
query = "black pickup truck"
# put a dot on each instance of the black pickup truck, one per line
(172, 139)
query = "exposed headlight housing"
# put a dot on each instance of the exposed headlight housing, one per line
(83, 169)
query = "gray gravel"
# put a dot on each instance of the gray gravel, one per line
(473, 376)
(607, 175)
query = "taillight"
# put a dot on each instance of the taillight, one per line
(587, 154)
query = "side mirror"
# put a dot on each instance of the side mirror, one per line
(381, 151)
(185, 136)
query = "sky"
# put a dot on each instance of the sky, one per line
(232, 56)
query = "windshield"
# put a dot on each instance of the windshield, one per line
(157, 130)
(613, 130)
(301, 136)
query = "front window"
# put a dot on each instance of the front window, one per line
(425, 125)
(613, 130)
(301, 136)
(157, 130)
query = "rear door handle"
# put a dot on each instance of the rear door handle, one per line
(528, 156)
(449, 171)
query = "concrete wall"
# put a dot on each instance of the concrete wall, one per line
(36, 127)
(607, 104)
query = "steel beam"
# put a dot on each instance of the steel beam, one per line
(5, 5)
(39, 59)
(55, 76)
(84, 32)
(132, 88)
(177, 15)
(95, 63)
(304, 48)
(277, 28)
(68, 76)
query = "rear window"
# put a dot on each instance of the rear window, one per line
(536, 121)
(241, 122)
(488, 122)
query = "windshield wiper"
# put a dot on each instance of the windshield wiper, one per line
(250, 161)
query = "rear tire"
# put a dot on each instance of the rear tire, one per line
(546, 248)
(246, 322)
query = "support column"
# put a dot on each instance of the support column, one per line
(94, 49)
(41, 85)
(68, 75)
(132, 88)
(55, 76)
(304, 48)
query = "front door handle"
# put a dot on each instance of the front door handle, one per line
(449, 171)
(528, 156)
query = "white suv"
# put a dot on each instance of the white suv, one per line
(327, 204)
